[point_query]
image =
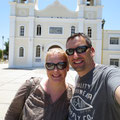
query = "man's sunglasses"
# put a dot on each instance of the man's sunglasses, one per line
(79, 50)
(59, 65)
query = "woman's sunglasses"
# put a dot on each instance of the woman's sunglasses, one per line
(79, 50)
(59, 65)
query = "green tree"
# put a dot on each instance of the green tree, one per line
(0, 54)
(6, 50)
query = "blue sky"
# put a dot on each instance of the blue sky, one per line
(110, 14)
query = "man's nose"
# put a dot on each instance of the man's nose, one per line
(75, 55)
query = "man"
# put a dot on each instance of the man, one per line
(97, 92)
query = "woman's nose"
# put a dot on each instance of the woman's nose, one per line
(55, 69)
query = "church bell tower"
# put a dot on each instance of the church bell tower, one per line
(22, 17)
(90, 15)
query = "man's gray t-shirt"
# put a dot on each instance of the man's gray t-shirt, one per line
(94, 97)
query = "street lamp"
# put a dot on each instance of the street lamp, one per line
(2, 47)
(103, 23)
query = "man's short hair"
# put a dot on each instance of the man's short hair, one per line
(88, 41)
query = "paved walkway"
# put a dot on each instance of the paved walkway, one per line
(12, 79)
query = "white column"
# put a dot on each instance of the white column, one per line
(11, 42)
(99, 12)
(81, 25)
(12, 8)
(98, 43)
(81, 11)
(99, 30)
(30, 41)
(31, 11)
(98, 51)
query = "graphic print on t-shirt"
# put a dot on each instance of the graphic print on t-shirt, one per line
(79, 104)
(80, 107)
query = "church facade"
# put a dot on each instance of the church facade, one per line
(33, 32)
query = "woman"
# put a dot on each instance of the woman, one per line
(50, 98)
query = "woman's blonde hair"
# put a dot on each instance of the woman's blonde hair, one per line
(58, 51)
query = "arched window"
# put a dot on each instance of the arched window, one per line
(21, 52)
(38, 51)
(89, 32)
(21, 30)
(72, 30)
(38, 30)
(89, 2)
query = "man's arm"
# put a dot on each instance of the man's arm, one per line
(117, 94)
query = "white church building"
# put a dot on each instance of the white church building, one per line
(33, 32)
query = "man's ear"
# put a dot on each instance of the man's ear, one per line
(92, 51)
